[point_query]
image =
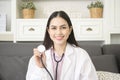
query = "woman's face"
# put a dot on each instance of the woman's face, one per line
(59, 30)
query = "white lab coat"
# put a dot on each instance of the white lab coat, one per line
(77, 65)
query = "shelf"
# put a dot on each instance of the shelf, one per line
(6, 32)
(6, 36)
(78, 13)
(115, 38)
(44, 8)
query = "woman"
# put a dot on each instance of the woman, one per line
(63, 58)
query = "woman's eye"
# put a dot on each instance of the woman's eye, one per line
(53, 28)
(63, 27)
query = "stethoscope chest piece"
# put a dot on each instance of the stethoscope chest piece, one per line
(41, 48)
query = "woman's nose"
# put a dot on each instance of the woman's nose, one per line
(58, 31)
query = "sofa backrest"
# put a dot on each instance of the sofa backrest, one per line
(111, 49)
(17, 49)
(93, 50)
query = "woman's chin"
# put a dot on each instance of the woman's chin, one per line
(59, 42)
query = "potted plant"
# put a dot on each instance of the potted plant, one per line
(28, 9)
(96, 9)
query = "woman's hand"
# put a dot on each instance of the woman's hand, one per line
(38, 56)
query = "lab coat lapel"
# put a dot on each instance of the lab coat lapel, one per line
(67, 60)
(49, 62)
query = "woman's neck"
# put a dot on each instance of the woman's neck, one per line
(60, 49)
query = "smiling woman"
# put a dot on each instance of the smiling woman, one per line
(63, 58)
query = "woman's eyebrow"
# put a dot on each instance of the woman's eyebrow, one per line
(52, 26)
(58, 26)
(63, 25)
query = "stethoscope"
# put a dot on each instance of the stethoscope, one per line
(41, 48)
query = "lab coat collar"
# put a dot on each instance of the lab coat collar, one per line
(66, 62)
(68, 50)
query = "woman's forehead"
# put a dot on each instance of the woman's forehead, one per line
(58, 21)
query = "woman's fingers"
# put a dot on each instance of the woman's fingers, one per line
(36, 52)
(39, 55)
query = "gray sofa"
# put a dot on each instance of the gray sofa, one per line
(14, 58)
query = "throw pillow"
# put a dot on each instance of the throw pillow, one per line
(104, 75)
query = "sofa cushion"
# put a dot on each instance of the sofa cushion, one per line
(105, 63)
(13, 68)
(113, 49)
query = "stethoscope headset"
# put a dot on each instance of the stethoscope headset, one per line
(41, 49)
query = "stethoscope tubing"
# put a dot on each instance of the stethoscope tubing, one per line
(56, 66)
(46, 68)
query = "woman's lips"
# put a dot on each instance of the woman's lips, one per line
(59, 37)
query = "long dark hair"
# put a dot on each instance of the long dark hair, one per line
(47, 41)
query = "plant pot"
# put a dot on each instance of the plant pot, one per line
(96, 12)
(28, 13)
